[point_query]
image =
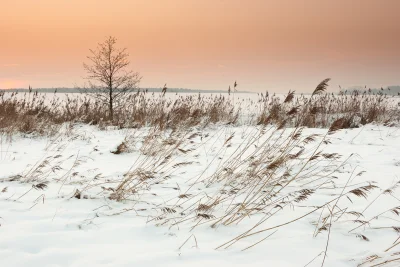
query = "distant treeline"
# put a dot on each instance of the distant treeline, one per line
(79, 90)
(390, 90)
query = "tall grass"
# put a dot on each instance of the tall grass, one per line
(44, 113)
(260, 172)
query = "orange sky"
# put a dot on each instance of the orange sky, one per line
(205, 44)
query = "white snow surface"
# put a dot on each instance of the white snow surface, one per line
(50, 227)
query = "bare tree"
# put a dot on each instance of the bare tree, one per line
(108, 74)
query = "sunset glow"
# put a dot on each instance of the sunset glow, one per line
(7, 84)
(264, 44)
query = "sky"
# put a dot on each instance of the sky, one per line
(274, 45)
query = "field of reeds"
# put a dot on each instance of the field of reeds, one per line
(276, 180)
(44, 113)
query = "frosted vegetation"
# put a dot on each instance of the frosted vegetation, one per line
(189, 180)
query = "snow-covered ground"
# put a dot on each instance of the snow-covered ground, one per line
(45, 221)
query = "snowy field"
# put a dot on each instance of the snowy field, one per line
(186, 196)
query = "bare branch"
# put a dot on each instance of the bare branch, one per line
(108, 76)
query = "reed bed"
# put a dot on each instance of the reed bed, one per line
(44, 113)
(265, 167)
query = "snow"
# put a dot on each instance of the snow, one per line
(51, 227)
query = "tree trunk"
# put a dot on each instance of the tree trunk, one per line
(111, 106)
